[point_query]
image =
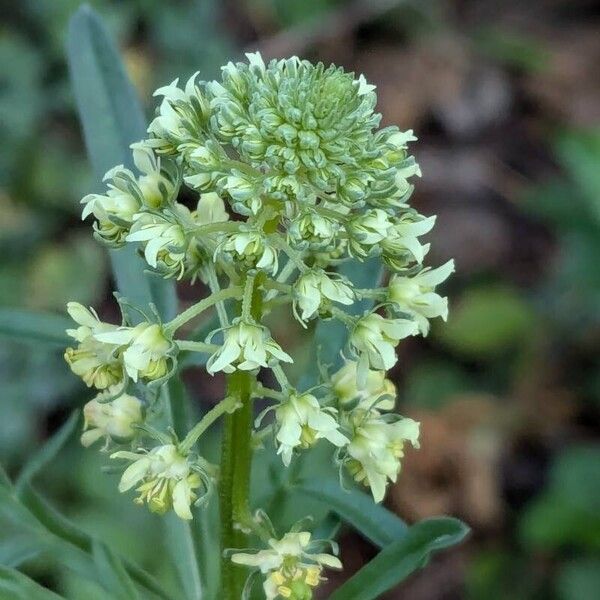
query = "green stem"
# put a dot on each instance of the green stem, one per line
(236, 458)
(192, 346)
(228, 404)
(194, 310)
(236, 462)
(213, 284)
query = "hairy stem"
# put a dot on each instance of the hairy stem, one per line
(236, 463)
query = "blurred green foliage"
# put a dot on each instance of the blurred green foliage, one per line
(47, 258)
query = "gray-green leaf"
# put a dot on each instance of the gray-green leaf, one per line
(30, 326)
(16, 586)
(398, 560)
(357, 509)
(112, 119)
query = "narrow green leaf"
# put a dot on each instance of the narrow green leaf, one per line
(112, 572)
(181, 542)
(17, 549)
(48, 451)
(181, 537)
(29, 326)
(49, 521)
(398, 560)
(112, 119)
(357, 509)
(4, 478)
(16, 586)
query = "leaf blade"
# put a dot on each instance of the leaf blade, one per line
(113, 573)
(47, 452)
(398, 560)
(35, 327)
(375, 522)
(17, 586)
(112, 119)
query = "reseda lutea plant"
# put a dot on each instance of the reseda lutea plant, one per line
(294, 178)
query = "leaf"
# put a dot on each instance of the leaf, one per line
(112, 119)
(374, 521)
(29, 326)
(181, 536)
(398, 560)
(49, 521)
(48, 452)
(16, 586)
(17, 549)
(113, 574)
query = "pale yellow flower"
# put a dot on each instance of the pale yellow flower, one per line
(165, 478)
(111, 419)
(291, 565)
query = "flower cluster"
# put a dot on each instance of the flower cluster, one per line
(370, 440)
(289, 176)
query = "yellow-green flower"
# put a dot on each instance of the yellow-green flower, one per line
(164, 238)
(368, 230)
(312, 229)
(165, 478)
(292, 566)
(377, 391)
(96, 362)
(315, 288)
(301, 422)
(210, 209)
(111, 419)
(416, 295)
(246, 346)
(147, 352)
(402, 246)
(376, 448)
(250, 247)
(374, 340)
(127, 194)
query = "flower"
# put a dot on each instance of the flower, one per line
(165, 240)
(97, 363)
(210, 209)
(416, 295)
(312, 229)
(292, 565)
(246, 346)
(166, 479)
(367, 230)
(112, 419)
(402, 245)
(377, 391)
(301, 422)
(316, 288)
(181, 119)
(116, 210)
(376, 448)
(156, 185)
(374, 339)
(147, 351)
(251, 247)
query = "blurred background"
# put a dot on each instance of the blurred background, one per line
(505, 100)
